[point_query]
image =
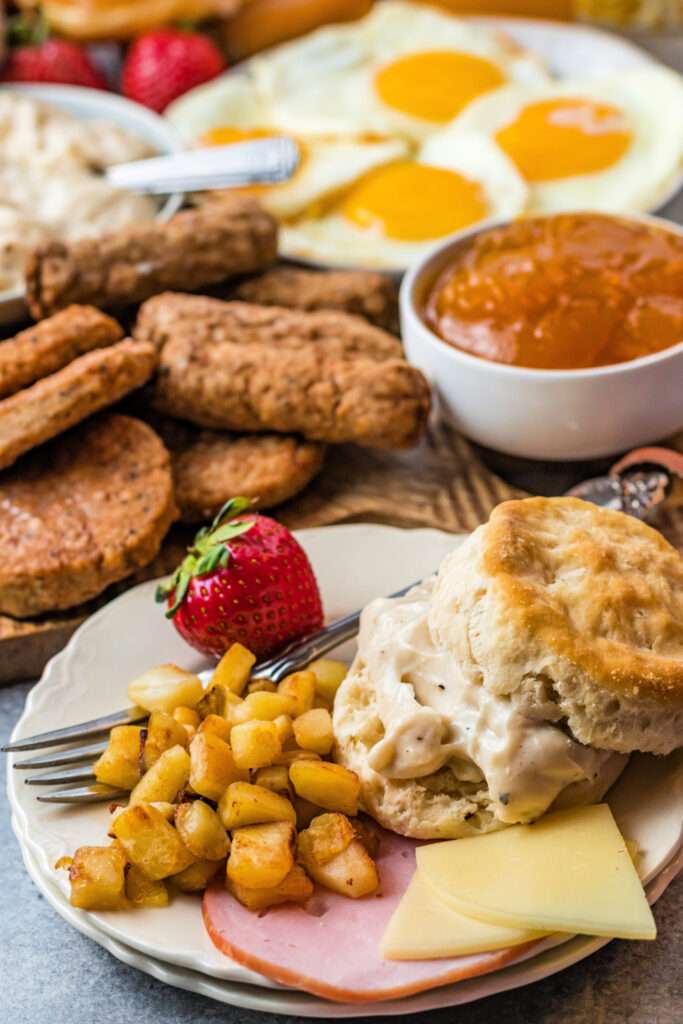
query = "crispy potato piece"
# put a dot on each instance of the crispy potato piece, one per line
(219, 700)
(201, 830)
(165, 779)
(165, 688)
(217, 725)
(234, 669)
(262, 856)
(246, 804)
(328, 785)
(264, 707)
(212, 766)
(119, 764)
(197, 876)
(143, 891)
(261, 685)
(151, 842)
(162, 733)
(275, 778)
(329, 675)
(305, 812)
(285, 728)
(369, 835)
(255, 744)
(327, 836)
(296, 887)
(300, 689)
(98, 878)
(189, 719)
(313, 731)
(351, 873)
(288, 757)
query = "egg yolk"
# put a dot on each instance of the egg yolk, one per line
(414, 202)
(561, 138)
(437, 84)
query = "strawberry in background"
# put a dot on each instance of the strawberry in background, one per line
(35, 57)
(162, 65)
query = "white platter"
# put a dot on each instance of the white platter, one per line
(353, 564)
(86, 105)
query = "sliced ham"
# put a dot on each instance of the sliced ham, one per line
(330, 947)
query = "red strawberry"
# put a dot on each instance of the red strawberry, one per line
(245, 579)
(55, 60)
(161, 66)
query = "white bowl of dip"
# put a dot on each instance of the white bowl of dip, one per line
(553, 415)
(94, 104)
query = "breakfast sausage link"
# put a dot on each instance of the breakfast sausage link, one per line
(194, 249)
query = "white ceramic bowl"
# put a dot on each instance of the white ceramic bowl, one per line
(88, 105)
(542, 414)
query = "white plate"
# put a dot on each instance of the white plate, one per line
(89, 678)
(86, 105)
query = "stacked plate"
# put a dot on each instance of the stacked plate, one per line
(89, 678)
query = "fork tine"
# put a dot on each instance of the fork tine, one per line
(82, 731)
(79, 773)
(63, 757)
(96, 794)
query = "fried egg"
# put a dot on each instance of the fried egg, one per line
(229, 111)
(405, 69)
(393, 215)
(612, 144)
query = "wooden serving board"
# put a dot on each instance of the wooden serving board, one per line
(444, 483)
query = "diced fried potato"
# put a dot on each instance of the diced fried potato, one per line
(246, 804)
(305, 812)
(234, 668)
(98, 878)
(219, 700)
(217, 725)
(165, 688)
(351, 873)
(162, 733)
(261, 685)
(329, 675)
(300, 689)
(288, 757)
(151, 842)
(330, 786)
(368, 833)
(165, 779)
(197, 876)
(143, 891)
(189, 719)
(285, 729)
(201, 830)
(119, 764)
(313, 731)
(264, 707)
(212, 766)
(255, 744)
(296, 887)
(164, 807)
(275, 778)
(327, 836)
(262, 856)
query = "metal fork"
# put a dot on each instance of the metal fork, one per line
(75, 764)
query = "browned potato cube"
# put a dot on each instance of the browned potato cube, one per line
(119, 765)
(165, 779)
(288, 757)
(255, 744)
(217, 725)
(305, 812)
(296, 887)
(300, 689)
(261, 685)
(197, 876)
(245, 804)
(285, 728)
(263, 706)
(369, 834)
(219, 700)
(189, 719)
(234, 668)
(276, 778)
(262, 856)
(163, 732)
(150, 842)
(98, 878)
(143, 891)
(351, 873)
(212, 766)
(329, 675)
(313, 731)
(165, 688)
(328, 785)
(201, 830)
(326, 836)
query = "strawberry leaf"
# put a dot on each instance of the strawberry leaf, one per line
(231, 530)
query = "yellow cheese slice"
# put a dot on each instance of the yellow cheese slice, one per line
(568, 872)
(423, 927)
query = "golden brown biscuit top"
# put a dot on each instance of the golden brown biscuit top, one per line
(594, 586)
